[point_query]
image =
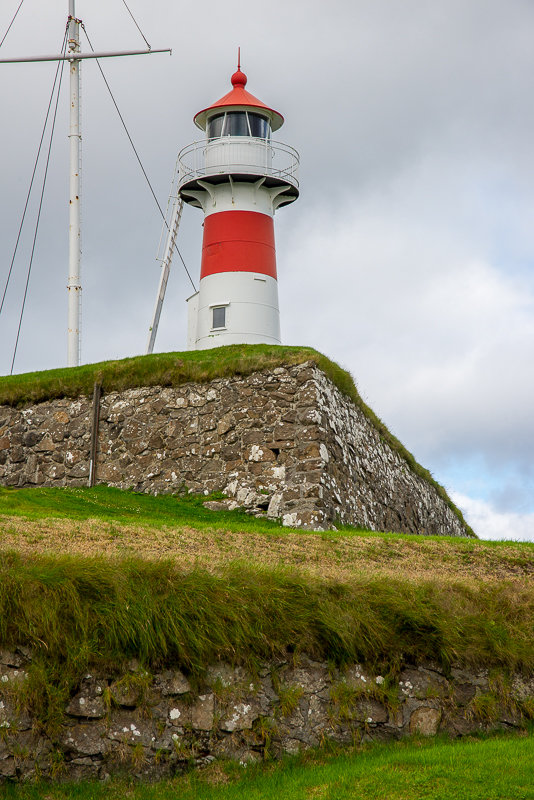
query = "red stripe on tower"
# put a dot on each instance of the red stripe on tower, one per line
(238, 241)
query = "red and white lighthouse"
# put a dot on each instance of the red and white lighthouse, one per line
(239, 177)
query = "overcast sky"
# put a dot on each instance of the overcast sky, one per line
(409, 255)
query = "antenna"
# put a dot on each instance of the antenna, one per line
(74, 286)
(238, 58)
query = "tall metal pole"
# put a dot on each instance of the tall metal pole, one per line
(74, 287)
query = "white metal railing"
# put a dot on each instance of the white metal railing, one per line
(244, 155)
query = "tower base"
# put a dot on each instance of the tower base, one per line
(233, 308)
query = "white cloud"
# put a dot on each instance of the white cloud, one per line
(439, 338)
(488, 523)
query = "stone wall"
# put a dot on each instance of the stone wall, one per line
(285, 443)
(151, 726)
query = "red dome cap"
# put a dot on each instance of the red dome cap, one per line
(239, 99)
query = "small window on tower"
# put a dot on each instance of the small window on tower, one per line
(219, 317)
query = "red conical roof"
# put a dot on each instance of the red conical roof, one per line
(237, 99)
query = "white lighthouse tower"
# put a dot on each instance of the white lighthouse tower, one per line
(239, 177)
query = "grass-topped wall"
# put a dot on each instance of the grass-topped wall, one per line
(165, 369)
(79, 614)
(177, 369)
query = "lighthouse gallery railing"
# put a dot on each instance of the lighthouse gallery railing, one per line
(244, 155)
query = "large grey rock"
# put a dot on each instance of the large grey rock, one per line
(202, 713)
(87, 739)
(240, 716)
(172, 682)
(425, 721)
(422, 683)
(89, 701)
(129, 727)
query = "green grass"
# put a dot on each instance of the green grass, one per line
(175, 369)
(486, 769)
(128, 508)
(80, 614)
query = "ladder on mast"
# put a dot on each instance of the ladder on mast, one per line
(177, 205)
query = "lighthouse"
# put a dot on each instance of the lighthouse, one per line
(239, 176)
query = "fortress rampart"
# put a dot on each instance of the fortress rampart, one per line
(283, 442)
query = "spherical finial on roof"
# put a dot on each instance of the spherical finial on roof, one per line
(239, 79)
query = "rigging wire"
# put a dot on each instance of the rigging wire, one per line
(136, 25)
(12, 21)
(62, 63)
(63, 48)
(137, 155)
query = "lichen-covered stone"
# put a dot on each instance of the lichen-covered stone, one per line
(240, 717)
(422, 683)
(12, 675)
(13, 716)
(90, 707)
(371, 712)
(89, 701)
(131, 728)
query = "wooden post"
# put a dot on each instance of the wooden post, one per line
(97, 394)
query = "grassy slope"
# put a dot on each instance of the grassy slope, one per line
(460, 770)
(175, 369)
(386, 597)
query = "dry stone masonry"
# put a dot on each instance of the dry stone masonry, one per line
(285, 443)
(153, 726)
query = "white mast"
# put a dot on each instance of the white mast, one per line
(74, 287)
